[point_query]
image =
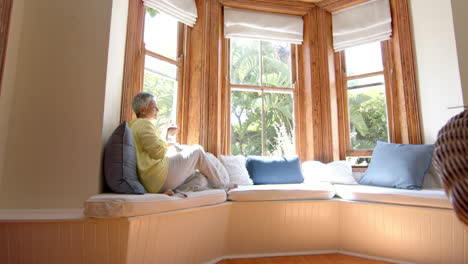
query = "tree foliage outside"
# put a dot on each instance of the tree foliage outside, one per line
(165, 91)
(160, 77)
(366, 105)
(246, 106)
(368, 117)
(151, 11)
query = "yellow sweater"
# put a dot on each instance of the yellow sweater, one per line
(152, 162)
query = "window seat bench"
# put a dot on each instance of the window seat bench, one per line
(426, 197)
(257, 221)
(110, 205)
(282, 192)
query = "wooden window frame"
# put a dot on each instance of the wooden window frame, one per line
(307, 133)
(179, 63)
(316, 114)
(259, 88)
(5, 13)
(404, 121)
(134, 66)
(204, 111)
(342, 97)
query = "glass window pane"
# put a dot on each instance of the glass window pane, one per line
(369, 81)
(160, 67)
(367, 116)
(246, 123)
(276, 64)
(358, 161)
(245, 66)
(279, 124)
(364, 59)
(165, 90)
(160, 34)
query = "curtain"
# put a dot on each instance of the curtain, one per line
(241, 23)
(183, 10)
(361, 24)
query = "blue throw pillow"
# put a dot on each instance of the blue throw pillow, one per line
(120, 164)
(400, 166)
(274, 170)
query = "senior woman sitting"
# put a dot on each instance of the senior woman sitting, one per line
(158, 172)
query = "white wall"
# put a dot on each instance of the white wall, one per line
(460, 21)
(115, 67)
(52, 153)
(437, 64)
(115, 72)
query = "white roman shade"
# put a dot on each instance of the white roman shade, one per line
(183, 10)
(361, 24)
(241, 23)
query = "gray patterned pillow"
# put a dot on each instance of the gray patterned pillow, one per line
(235, 165)
(120, 164)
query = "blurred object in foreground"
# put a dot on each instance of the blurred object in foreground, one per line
(451, 162)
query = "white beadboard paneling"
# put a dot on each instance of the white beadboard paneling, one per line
(282, 227)
(201, 235)
(413, 234)
(185, 237)
(59, 242)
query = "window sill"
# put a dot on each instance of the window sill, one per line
(359, 168)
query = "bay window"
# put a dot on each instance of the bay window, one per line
(256, 78)
(262, 98)
(162, 63)
(154, 58)
(364, 106)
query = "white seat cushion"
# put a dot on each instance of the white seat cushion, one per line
(276, 192)
(426, 197)
(108, 205)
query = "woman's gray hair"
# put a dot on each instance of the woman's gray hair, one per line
(142, 99)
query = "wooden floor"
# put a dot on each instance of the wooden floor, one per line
(313, 259)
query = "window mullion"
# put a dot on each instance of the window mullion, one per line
(285, 96)
(365, 75)
(161, 57)
(261, 64)
(365, 86)
(263, 98)
(346, 116)
(260, 88)
(263, 123)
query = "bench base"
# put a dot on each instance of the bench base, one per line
(208, 234)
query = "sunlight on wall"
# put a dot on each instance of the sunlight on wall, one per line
(459, 8)
(437, 64)
(115, 67)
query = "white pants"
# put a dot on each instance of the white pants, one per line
(191, 158)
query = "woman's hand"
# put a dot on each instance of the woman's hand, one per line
(172, 130)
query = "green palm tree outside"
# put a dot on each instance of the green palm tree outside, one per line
(246, 106)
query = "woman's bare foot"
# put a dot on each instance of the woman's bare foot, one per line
(168, 192)
(231, 186)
